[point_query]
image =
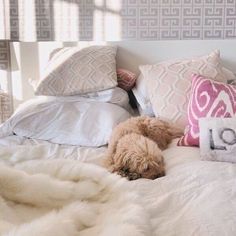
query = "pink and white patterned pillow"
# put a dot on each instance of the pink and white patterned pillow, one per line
(208, 99)
(125, 79)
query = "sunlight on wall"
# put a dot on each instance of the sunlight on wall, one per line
(4, 20)
(44, 50)
(17, 90)
(98, 32)
(112, 27)
(66, 21)
(114, 5)
(3, 80)
(107, 20)
(27, 20)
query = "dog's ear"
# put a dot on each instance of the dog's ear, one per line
(120, 163)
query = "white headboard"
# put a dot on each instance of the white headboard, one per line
(29, 58)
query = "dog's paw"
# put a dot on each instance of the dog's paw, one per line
(122, 173)
(133, 176)
(129, 175)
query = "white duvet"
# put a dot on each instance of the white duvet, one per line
(194, 198)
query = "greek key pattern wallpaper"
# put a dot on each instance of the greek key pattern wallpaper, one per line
(72, 20)
(5, 99)
(4, 55)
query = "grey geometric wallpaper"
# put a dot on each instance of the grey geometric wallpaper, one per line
(180, 19)
(72, 20)
(6, 102)
(4, 55)
(5, 67)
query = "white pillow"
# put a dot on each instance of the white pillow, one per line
(229, 75)
(169, 84)
(141, 94)
(115, 95)
(218, 139)
(65, 122)
(73, 71)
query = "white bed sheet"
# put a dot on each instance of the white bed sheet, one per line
(195, 198)
(15, 149)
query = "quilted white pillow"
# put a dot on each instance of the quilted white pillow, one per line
(142, 96)
(169, 84)
(73, 71)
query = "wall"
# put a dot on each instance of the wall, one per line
(73, 20)
(4, 55)
(5, 65)
(5, 80)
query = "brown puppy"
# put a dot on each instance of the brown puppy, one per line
(134, 150)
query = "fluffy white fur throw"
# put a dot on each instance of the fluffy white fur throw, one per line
(67, 198)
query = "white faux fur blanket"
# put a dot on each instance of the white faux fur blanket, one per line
(67, 198)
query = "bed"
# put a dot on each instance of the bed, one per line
(194, 198)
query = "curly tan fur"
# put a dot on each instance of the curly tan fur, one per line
(134, 150)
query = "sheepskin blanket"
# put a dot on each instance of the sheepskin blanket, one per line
(67, 198)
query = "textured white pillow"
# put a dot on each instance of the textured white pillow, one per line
(115, 95)
(73, 71)
(218, 139)
(169, 84)
(71, 122)
(229, 74)
(141, 94)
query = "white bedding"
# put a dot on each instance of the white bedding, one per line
(194, 198)
(74, 120)
(68, 198)
(15, 149)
